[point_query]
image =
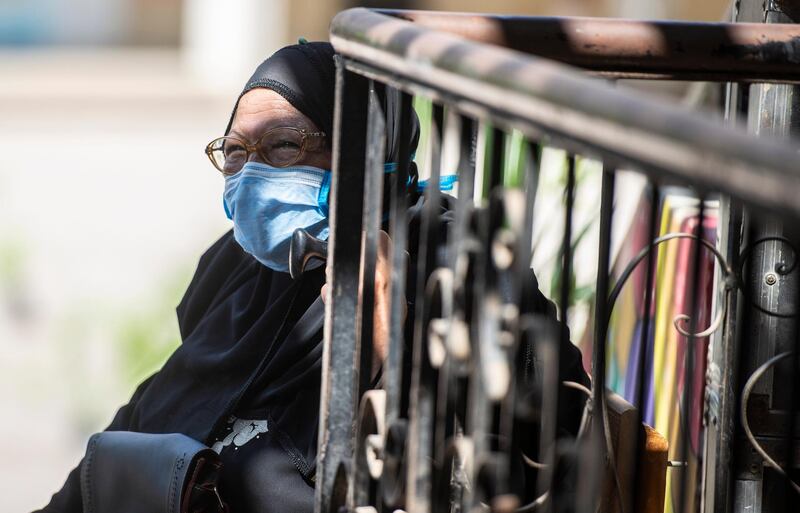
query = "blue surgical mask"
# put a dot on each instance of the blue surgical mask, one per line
(267, 204)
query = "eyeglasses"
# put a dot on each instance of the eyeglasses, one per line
(278, 147)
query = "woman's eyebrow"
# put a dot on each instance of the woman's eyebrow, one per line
(236, 133)
(290, 121)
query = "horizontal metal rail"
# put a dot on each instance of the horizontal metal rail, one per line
(619, 48)
(622, 127)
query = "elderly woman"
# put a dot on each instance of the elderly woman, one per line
(246, 379)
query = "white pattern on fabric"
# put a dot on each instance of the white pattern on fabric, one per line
(241, 432)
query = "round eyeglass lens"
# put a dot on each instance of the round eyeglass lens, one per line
(229, 154)
(282, 147)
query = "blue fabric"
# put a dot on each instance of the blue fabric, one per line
(324, 192)
(446, 183)
(267, 204)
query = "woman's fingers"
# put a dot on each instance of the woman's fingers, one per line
(383, 280)
(381, 313)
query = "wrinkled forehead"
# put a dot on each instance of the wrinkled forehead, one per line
(262, 109)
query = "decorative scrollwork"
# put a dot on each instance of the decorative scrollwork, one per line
(729, 281)
(781, 269)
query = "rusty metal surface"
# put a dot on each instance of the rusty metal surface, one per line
(619, 125)
(750, 52)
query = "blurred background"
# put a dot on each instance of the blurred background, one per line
(107, 199)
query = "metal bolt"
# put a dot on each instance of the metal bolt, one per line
(771, 279)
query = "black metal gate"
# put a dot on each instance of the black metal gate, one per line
(478, 371)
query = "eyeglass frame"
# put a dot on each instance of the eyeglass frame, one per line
(256, 147)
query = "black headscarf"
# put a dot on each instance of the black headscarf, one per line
(305, 75)
(240, 322)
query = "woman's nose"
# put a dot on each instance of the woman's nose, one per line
(255, 157)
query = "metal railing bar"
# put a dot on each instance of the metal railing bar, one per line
(497, 158)
(566, 254)
(601, 319)
(466, 128)
(587, 497)
(476, 285)
(790, 486)
(722, 387)
(458, 130)
(454, 127)
(372, 212)
(644, 340)
(685, 411)
(622, 48)
(531, 160)
(339, 401)
(398, 232)
(456, 371)
(546, 347)
(622, 127)
(502, 311)
(371, 221)
(422, 410)
(391, 485)
(444, 411)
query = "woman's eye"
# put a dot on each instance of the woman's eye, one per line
(235, 153)
(285, 144)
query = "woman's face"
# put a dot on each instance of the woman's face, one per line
(261, 109)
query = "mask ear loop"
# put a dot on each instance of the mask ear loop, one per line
(325, 188)
(446, 183)
(227, 211)
(324, 192)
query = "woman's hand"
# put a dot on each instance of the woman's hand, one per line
(382, 316)
(381, 312)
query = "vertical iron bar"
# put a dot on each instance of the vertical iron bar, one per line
(794, 401)
(591, 450)
(721, 403)
(465, 205)
(459, 130)
(422, 402)
(780, 115)
(723, 372)
(477, 409)
(373, 207)
(466, 180)
(398, 231)
(640, 401)
(566, 249)
(392, 483)
(566, 252)
(521, 275)
(338, 400)
(498, 154)
(602, 308)
(447, 394)
(688, 373)
(773, 110)
(566, 270)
